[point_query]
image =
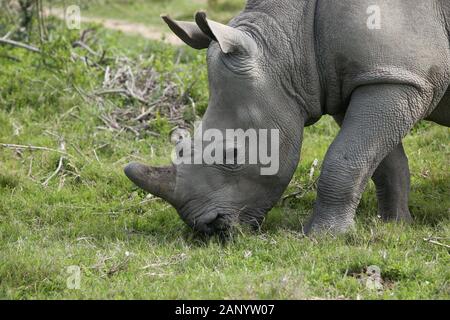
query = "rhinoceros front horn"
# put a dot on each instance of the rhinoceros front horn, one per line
(159, 181)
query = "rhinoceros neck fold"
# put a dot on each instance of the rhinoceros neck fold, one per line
(286, 31)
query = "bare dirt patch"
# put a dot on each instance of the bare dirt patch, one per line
(124, 26)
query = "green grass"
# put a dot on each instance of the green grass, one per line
(148, 12)
(91, 216)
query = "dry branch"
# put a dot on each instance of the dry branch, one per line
(20, 45)
(83, 45)
(433, 241)
(29, 147)
(125, 92)
(59, 168)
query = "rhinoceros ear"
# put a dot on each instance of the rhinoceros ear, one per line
(189, 32)
(230, 39)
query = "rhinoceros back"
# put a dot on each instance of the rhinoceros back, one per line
(445, 5)
(410, 45)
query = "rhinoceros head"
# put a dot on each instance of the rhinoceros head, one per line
(245, 96)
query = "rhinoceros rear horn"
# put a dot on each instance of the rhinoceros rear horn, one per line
(230, 39)
(189, 32)
(159, 181)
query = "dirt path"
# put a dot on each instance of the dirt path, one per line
(124, 26)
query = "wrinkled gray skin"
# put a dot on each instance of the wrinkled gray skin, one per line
(282, 65)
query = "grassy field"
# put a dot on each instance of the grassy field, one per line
(77, 208)
(148, 11)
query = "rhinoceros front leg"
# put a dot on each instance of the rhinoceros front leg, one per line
(392, 181)
(377, 119)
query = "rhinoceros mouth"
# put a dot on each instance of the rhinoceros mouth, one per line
(220, 218)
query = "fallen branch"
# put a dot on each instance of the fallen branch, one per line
(83, 45)
(20, 45)
(58, 169)
(10, 32)
(29, 147)
(146, 113)
(431, 240)
(121, 91)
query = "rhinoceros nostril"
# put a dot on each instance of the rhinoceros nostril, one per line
(219, 224)
(204, 223)
(210, 218)
(212, 223)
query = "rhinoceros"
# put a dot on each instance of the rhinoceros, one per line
(377, 66)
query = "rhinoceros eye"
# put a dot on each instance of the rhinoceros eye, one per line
(231, 167)
(231, 160)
